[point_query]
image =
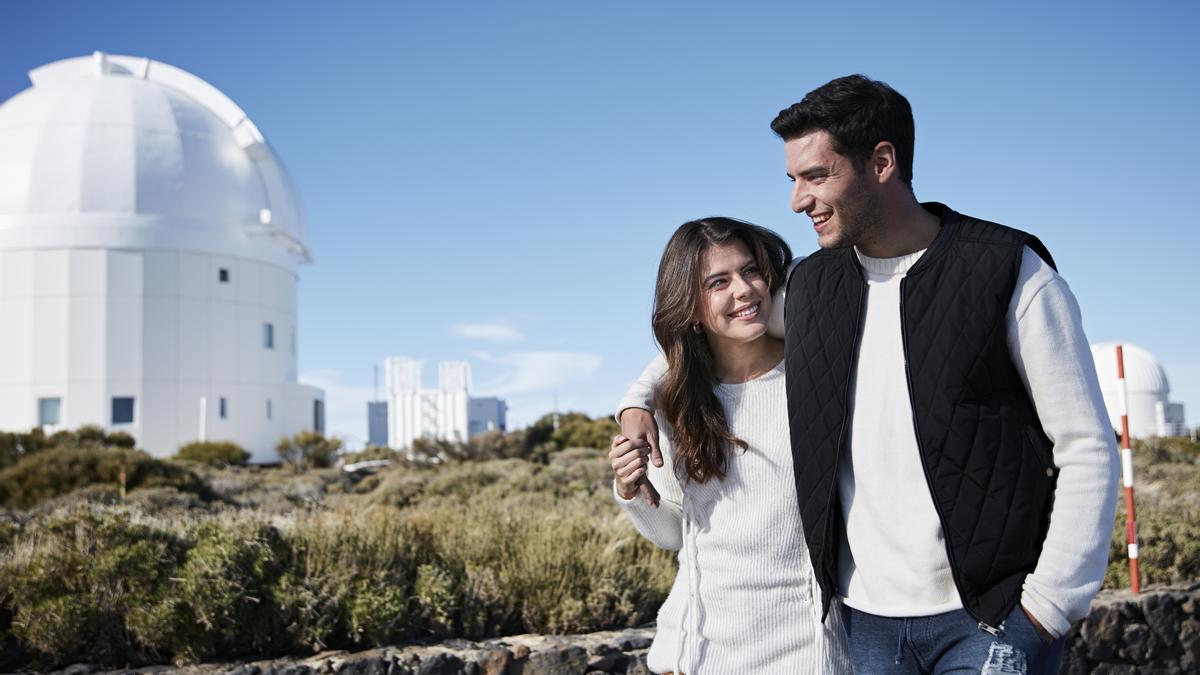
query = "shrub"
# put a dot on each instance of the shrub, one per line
(479, 550)
(498, 444)
(309, 449)
(576, 430)
(76, 583)
(349, 579)
(224, 601)
(213, 453)
(15, 445)
(91, 435)
(371, 452)
(1167, 482)
(1168, 449)
(59, 471)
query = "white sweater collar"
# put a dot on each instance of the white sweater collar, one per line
(889, 266)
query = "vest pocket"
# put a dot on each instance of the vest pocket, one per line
(1042, 450)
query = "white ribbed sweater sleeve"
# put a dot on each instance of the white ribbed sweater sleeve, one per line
(663, 524)
(1052, 356)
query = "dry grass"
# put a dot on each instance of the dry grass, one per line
(286, 562)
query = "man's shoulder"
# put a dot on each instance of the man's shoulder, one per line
(970, 229)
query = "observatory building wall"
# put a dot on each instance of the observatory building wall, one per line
(163, 328)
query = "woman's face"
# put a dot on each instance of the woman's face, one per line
(734, 298)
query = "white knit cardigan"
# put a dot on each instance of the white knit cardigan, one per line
(744, 598)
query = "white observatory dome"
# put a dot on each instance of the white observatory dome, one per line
(120, 151)
(1143, 373)
(149, 245)
(1146, 386)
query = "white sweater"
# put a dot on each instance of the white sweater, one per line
(745, 585)
(893, 562)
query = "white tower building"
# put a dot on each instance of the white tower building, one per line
(149, 240)
(447, 413)
(1150, 411)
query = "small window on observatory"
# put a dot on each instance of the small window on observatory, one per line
(122, 410)
(269, 336)
(223, 408)
(49, 411)
(223, 275)
(268, 408)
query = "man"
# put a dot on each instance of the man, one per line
(953, 459)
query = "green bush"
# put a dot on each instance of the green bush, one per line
(59, 471)
(308, 449)
(371, 452)
(1167, 501)
(91, 435)
(224, 602)
(80, 581)
(1167, 449)
(15, 445)
(213, 453)
(576, 430)
(349, 579)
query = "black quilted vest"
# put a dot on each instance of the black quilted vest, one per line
(987, 461)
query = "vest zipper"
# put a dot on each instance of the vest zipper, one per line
(837, 463)
(983, 625)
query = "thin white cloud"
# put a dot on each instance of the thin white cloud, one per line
(543, 371)
(491, 332)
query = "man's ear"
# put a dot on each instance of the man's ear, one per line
(883, 161)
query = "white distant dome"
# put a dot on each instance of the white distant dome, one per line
(1143, 372)
(1150, 412)
(149, 244)
(119, 151)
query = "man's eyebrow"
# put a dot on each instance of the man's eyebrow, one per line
(814, 171)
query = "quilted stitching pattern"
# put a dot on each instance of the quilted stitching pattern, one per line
(974, 416)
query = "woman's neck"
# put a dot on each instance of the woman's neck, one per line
(737, 362)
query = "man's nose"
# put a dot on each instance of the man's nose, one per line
(801, 199)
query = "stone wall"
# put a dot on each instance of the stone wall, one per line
(1155, 633)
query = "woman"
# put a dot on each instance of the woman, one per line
(743, 600)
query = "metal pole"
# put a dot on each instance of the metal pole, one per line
(1127, 475)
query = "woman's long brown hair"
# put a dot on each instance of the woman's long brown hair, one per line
(685, 394)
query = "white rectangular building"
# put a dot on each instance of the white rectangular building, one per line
(447, 412)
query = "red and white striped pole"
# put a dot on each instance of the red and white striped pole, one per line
(1127, 476)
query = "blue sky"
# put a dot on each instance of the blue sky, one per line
(495, 181)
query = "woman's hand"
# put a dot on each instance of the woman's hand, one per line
(629, 459)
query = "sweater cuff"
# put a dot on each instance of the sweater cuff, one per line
(625, 503)
(1054, 621)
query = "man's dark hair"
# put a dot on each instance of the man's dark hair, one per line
(857, 113)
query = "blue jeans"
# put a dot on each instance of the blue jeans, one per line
(948, 643)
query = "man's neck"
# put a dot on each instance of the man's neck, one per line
(910, 228)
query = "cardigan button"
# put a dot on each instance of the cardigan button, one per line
(1050, 472)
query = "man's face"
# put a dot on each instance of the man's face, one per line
(842, 203)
